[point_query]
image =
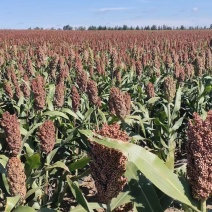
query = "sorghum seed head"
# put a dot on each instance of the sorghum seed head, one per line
(16, 177)
(11, 127)
(199, 155)
(47, 137)
(108, 165)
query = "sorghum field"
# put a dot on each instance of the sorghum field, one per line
(105, 121)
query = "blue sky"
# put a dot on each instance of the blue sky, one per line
(22, 14)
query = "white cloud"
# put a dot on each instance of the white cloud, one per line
(112, 9)
(195, 9)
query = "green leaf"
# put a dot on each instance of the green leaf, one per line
(24, 209)
(30, 132)
(51, 155)
(70, 112)
(55, 113)
(33, 161)
(177, 103)
(153, 100)
(142, 190)
(82, 162)
(32, 191)
(92, 205)
(4, 159)
(23, 131)
(58, 164)
(102, 116)
(78, 195)
(6, 185)
(50, 97)
(88, 114)
(170, 157)
(11, 203)
(150, 165)
(177, 124)
(121, 199)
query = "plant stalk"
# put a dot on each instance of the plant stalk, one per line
(108, 207)
(203, 205)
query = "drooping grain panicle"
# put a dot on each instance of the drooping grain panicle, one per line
(47, 136)
(119, 103)
(150, 91)
(8, 89)
(75, 98)
(108, 165)
(82, 80)
(199, 155)
(92, 92)
(59, 94)
(25, 86)
(169, 88)
(16, 177)
(38, 88)
(11, 128)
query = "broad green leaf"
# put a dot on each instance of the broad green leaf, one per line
(78, 195)
(23, 131)
(170, 157)
(24, 209)
(92, 205)
(4, 160)
(11, 203)
(33, 161)
(82, 162)
(142, 190)
(177, 124)
(177, 103)
(50, 97)
(30, 133)
(32, 191)
(58, 164)
(150, 165)
(102, 116)
(51, 155)
(153, 100)
(70, 112)
(56, 114)
(88, 114)
(6, 185)
(121, 199)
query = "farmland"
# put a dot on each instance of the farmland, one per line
(117, 120)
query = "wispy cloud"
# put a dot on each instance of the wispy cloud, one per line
(112, 9)
(195, 9)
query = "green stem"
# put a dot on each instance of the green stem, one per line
(108, 207)
(95, 113)
(123, 125)
(169, 115)
(203, 206)
(46, 188)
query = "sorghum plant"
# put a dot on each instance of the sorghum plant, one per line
(16, 177)
(11, 127)
(108, 165)
(199, 154)
(169, 88)
(47, 137)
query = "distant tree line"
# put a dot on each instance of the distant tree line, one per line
(125, 27)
